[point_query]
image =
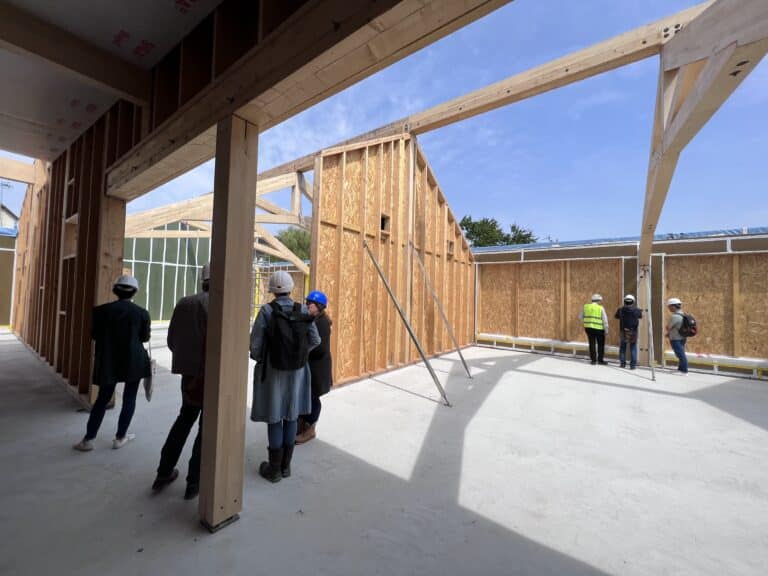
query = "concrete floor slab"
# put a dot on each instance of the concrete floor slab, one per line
(543, 466)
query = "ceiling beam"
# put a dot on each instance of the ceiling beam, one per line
(324, 47)
(23, 33)
(17, 171)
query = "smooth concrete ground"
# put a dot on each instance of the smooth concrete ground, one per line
(542, 466)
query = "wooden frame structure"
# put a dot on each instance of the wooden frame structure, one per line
(199, 211)
(384, 192)
(245, 68)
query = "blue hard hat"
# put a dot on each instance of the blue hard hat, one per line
(317, 297)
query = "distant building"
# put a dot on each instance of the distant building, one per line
(7, 218)
(7, 263)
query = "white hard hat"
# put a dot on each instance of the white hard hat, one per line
(127, 282)
(205, 273)
(596, 298)
(280, 283)
(629, 298)
(674, 302)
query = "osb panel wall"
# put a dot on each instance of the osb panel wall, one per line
(384, 193)
(496, 299)
(751, 305)
(705, 285)
(587, 277)
(543, 299)
(538, 299)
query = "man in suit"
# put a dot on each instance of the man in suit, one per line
(186, 341)
(119, 329)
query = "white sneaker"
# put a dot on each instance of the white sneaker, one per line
(118, 443)
(84, 446)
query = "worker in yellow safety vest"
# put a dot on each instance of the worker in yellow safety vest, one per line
(595, 322)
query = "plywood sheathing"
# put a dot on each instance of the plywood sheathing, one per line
(361, 193)
(704, 284)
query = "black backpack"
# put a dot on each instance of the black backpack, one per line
(288, 337)
(689, 328)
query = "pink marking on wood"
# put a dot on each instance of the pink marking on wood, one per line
(144, 48)
(119, 38)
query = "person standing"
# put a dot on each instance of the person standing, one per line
(595, 323)
(119, 329)
(320, 365)
(282, 336)
(186, 341)
(676, 339)
(629, 319)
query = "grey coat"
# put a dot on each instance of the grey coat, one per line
(281, 394)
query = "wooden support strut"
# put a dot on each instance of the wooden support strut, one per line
(223, 437)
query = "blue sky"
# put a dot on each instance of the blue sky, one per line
(570, 164)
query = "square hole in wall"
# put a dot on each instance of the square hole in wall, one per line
(386, 224)
(450, 248)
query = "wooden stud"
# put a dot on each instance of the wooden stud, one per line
(223, 439)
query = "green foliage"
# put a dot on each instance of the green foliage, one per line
(297, 240)
(488, 232)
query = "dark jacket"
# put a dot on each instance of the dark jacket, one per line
(186, 334)
(119, 328)
(320, 364)
(628, 317)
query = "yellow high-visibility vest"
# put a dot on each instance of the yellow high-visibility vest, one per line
(593, 316)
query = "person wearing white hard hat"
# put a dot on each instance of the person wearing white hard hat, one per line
(629, 320)
(186, 341)
(283, 334)
(676, 339)
(595, 321)
(119, 330)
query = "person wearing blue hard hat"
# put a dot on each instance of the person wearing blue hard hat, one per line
(320, 364)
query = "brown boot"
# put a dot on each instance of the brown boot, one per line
(306, 435)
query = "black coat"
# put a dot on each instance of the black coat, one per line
(320, 363)
(119, 328)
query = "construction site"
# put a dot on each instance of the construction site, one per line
(467, 431)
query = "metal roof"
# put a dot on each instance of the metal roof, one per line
(725, 233)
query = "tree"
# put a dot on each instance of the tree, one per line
(488, 232)
(520, 235)
(297, 240)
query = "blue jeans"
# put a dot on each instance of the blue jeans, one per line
(678, 347)
(99, 407)
(281, 433)
(632, 352)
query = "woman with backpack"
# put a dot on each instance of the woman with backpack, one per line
(320, 365)
(283, 334)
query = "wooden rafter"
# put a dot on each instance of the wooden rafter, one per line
(616, 52)
(22, 32)
(326, 46)
(17, 171)
(690, 94)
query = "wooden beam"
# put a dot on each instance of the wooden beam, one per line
(286, 252)
(324, 47)
(279, 182)
(681, 116)
(24, 33)
(17, 171)
(723, 23)
(223, 438)
(304, 187)
(616, 52)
